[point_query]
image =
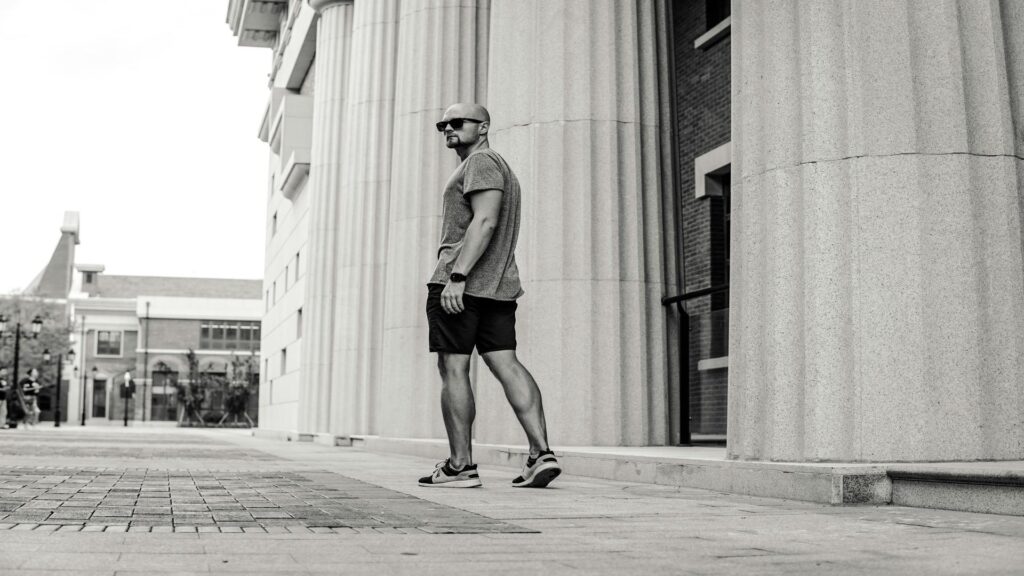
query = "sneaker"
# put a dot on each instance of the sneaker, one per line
(539, 471)
(447, 477)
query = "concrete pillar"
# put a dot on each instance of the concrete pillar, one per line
(442, 59)
(365, 166)
(573, 91)
(332, 65)
(877, 309)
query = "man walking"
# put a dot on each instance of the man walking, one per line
(471, 301)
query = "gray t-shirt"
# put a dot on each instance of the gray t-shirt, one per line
(495, 275)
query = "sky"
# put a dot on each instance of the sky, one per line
(141, 116)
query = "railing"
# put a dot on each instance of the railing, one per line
(684, 352)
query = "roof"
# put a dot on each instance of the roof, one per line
(135, 286)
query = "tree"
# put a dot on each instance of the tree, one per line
(192, 394)
(55, 335)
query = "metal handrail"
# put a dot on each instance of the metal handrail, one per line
(694, 294)
(684, 351)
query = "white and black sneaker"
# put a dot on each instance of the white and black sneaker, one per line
(447, 477)
(539, 471)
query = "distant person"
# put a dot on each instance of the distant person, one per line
(14, 403)
(30, 388)
(471, 301)
(3, 398)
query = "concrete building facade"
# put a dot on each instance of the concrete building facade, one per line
(873, 225)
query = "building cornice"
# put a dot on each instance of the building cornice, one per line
(321, 5)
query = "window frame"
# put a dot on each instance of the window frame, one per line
(120, 344)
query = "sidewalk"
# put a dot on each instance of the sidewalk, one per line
(143, 501)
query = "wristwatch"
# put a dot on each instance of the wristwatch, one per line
(456, 277)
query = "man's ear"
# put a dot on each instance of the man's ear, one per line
(485, 126)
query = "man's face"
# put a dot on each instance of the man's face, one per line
(33, 374)
(470, 127)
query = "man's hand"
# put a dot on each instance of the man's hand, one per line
(451, 297)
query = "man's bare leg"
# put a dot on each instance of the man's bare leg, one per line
(457, 406)
(523, 394)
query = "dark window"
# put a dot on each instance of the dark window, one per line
(89, 277)
(716, 11)
(228, 335)
(298, 323)
(108, 343)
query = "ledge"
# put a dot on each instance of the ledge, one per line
(713, 363)
(708, 39)
(294, 173)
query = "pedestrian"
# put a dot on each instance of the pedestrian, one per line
(3, 399)
(15, 404)
(30, 388)
(471, 301)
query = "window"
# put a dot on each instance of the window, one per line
(90, 277)
(297, 266)
(108, 343)
(267, 308)
(229, 335)
(298, 323)
(273, 224)
(284, 361)
(286, 278)
(275, 292)
(715, 11)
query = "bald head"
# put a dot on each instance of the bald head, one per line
(467, 110)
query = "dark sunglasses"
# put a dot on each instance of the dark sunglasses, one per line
(456, 123)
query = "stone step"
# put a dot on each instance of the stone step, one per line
(988, 487)
(991, 491)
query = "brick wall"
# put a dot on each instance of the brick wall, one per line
(171, 334)
(703, 123)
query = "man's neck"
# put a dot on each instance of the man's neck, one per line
(466, 151)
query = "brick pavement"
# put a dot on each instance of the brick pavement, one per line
(579, 526)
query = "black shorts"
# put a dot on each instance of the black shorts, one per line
(490, 325)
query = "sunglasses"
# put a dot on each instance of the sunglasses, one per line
(456, 123)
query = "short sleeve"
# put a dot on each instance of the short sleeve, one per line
(482, 173)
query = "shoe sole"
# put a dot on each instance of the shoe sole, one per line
(541, 478)
(474, 483)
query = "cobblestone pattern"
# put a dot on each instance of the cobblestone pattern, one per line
(152, 500)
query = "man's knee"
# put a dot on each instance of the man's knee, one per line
(452, 364)
(501, 361)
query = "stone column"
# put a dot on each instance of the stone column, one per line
(574, 98)
(332, 64)
(877, 308)
(442, 59)
(365, 166)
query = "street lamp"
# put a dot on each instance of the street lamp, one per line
(36, 326)
(60, 367)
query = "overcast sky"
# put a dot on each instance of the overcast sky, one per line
(143, 117)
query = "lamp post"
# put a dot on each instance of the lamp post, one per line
(93, 371)
(37, 325)
(60, 367)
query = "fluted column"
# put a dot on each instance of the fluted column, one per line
(331, 67)
(573, 94)
(877, 307)
(442, 58)
(364, 200)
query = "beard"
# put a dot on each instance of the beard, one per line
(453, 141)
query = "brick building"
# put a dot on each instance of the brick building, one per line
(138, 329)
(141, 330)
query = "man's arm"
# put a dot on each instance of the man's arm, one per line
(486, 208)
